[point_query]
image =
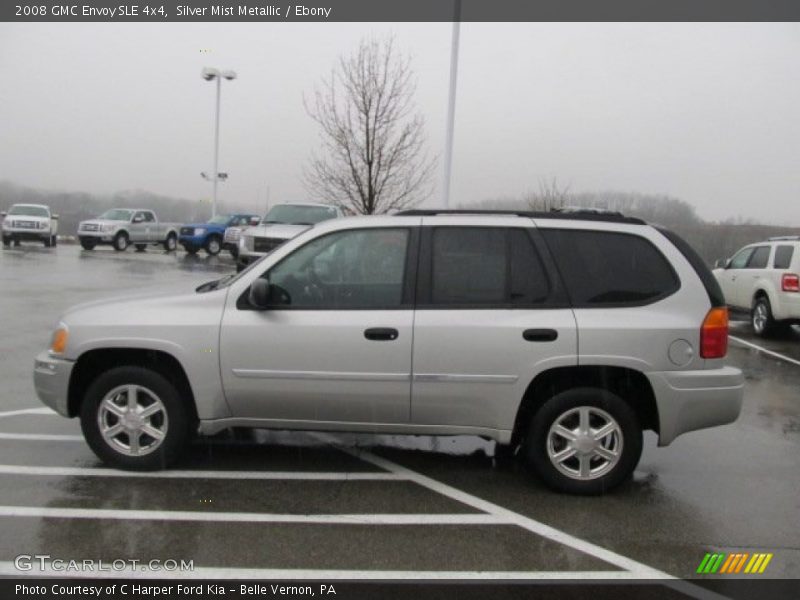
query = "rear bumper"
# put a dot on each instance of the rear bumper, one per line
(51, 380)
(787, 307)
(691, 400)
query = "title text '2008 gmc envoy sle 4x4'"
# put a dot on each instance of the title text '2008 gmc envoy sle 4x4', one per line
(562, 334)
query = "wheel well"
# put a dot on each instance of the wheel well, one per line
(760, 294)
(629, 384)
(91, 364)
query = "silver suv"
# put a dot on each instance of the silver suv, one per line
(561, 335)
(763, 280)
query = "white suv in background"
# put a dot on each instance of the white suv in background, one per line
(764, 279)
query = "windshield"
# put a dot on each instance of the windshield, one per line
(299, 215)
(31, 211)
(117, 214)
(220, 220)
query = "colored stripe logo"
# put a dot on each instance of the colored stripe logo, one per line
(735, 562)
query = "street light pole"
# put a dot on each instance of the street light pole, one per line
(216, 151)
(210, 74)
(451, 103)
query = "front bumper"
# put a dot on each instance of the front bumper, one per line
(97, 236)
(26, 234)
(691, 400)
(51, 380)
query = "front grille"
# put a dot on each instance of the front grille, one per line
(187, 230)
(90, 227)
(232, 235)
(267, 244)
(26, 224)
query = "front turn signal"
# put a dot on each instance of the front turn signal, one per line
(59, 342)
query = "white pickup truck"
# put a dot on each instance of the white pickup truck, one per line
(121, 227)
(29, 222)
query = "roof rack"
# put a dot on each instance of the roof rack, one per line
(784, 238)
(580, 214)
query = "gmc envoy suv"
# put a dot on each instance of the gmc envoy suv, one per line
(560, 335)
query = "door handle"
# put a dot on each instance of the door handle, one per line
(381, 334)
(540, 335)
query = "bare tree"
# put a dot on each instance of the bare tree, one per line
(550, 195)
(372, 158)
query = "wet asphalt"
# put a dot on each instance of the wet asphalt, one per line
(729, 489)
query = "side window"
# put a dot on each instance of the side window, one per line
(783, 257)
(138, 217)
(759, 258)
(740, 260)
(477, 266)
(609, 268)
(360, 268)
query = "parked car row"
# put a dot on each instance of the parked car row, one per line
(140, 227)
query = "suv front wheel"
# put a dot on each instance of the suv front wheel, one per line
(584, 441)
(134, 418)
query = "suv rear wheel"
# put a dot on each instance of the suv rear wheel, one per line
(584, 441)
(761, 317)
(134, 418)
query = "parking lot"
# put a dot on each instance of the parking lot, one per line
(279, 504)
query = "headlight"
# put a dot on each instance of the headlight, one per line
(43, 225)
(59, 341)
(108, 227)
(199, 231)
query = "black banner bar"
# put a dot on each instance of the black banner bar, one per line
(188, 589)
(397, 10)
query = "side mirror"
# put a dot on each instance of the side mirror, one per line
(54, 217)
(259, 293)
(726, 263)
(3, 214)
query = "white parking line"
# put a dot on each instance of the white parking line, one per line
(190, 474)
(765, 350)
(551, 533)
(244, 517)
(7, 569)
(28, 411)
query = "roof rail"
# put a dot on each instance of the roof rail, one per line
(579, 214)
(784, 238)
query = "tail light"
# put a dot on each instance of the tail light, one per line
(790, 282)
(714, 334)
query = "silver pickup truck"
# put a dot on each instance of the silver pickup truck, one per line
(121, 227)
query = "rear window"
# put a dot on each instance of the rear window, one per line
(783, 257)
(759, 258)
(602, 268)
(478, 266)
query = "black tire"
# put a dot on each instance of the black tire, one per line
(141, 247)
(761, 319)
(6, 241)
(234, 250)
(121, 241)
(88, 244)
(54, 241)
(48, 241)
(627, 440)
(171, 243)
(17, 243)
(178, 419)
(213, 245)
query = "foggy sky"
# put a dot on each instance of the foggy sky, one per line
(709, 113)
